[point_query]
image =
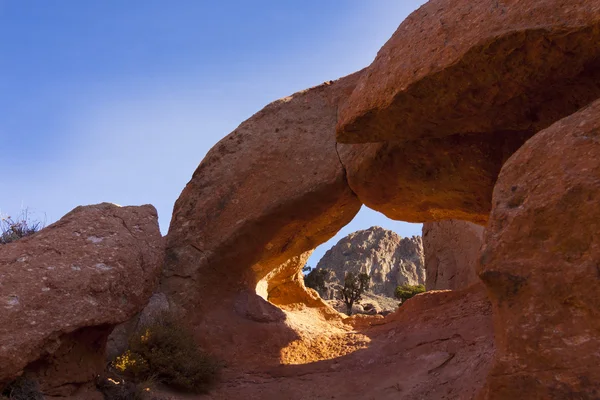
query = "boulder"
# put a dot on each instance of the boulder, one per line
(430, 179)
(478, 67)
(451, 254)
(540, 262)
(64, 288)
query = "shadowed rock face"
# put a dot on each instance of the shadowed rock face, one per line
(65, 288)
(540, 263)
(478, 67)
(431, 179)
(387, 258)
(451, 250)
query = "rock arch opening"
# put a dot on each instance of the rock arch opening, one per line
(277, 187)
(424, 141)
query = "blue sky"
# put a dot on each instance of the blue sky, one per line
(119, 101)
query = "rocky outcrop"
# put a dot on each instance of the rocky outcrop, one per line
(259, 202)
(430, 179)
(481, 66)
(64, 288)
(438, 346)
(387, 258)
(540, 262)
(451, 250)
(456, 90)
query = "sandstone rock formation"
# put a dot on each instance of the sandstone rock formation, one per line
(387, 258)
(431, 179)
(260, 201)
(451, 250)
(64, 288)
(438, 346)
(457, 90)
(478, 66)
(541, 264)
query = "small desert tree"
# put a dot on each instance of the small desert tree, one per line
(405, 292)
(354, 286)
(316, 279)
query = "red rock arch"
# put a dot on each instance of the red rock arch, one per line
(445, 104)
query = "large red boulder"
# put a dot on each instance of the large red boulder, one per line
(65, 287)
(464, 66)
(541, 264)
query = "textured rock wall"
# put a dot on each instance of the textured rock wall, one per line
(541, 264)
(64, 288)
(478, 66)
(387, 258)
(451, 251)
(455, 92)
(259, 202)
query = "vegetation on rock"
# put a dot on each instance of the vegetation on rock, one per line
(405, 292)
(116, 388)
(12, 229)
(165, 352)
(22, 389)
(354, 286)
(316, 279)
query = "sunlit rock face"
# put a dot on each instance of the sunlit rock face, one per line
(477, 67)
(259, 202)
(451, 250)
(426, 129)
(387, 258)
(64, 288)
(540, 264)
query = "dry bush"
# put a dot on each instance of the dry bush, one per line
(115, 388)
(12, 229)
(22, 389)
(166, 352)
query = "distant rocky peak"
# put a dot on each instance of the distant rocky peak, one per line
(385, 256)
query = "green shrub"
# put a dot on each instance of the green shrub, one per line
(316, 279)
(354, 286)
(167, 353)
(14, 229)
(405, 292)
(22, 389)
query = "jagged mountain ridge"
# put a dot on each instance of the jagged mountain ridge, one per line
(385, 256)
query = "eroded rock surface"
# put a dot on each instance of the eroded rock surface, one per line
(64, 288)
(387, 258)
(262, 198)
(430, 179)
(438, 345)
(540, 263)
(451, 250)
(478, 67)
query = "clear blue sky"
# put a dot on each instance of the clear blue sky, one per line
(119, 101)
